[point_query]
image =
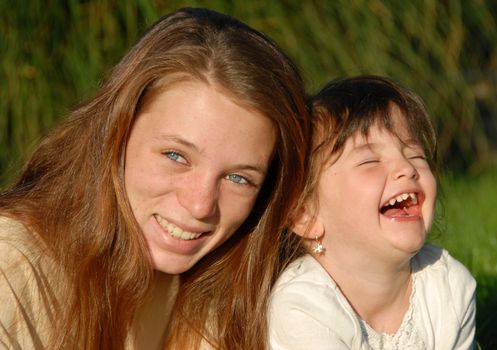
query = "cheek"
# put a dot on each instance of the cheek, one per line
(234, 211)
(333, 211)
(429, 185)
(136, 184)
(145, 175)
(430, 188)
(133, 167)
(345, 202)
(143, 186)
(433, 185)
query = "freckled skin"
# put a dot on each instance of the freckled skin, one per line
(196, 159)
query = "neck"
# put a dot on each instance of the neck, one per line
(153, 316)
(378, 292)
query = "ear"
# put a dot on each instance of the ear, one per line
(307, 226)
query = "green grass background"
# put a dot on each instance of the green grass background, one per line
(55, 53)
(467, 228)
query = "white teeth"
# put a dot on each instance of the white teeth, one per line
(175, 231)
(414, 198)
(403, 197)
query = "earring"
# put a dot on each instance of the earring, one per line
(318, 247)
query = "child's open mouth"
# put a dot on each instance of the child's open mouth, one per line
(402, 205)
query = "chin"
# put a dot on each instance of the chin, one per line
(173, 266)
(412, 248)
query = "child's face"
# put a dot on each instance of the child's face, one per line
(377, 199)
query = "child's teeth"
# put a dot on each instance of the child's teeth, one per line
(403, 197)
(414, 198)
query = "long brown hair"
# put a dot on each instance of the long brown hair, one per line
(71, 192)
(223, 299)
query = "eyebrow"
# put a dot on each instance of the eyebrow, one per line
(364, 146)
(361, 147)
(257, 168)
(177, 140)
(411, 142)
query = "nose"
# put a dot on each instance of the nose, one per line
(405, 169)
(199, 195)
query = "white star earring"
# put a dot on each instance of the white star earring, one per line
(318, 247)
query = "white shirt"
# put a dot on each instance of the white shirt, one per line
(308, 311)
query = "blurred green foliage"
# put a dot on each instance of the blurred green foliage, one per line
(467, 228)
(55, 53)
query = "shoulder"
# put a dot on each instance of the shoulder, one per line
(307, 304)
(305, 282)
(25, 289)
(304, 270)
(20, 250)
(438, 266)
(445, 297)
(9, 228)
(16, 243)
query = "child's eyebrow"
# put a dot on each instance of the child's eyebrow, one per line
(364, 146)
(361, 148)
(412, 142)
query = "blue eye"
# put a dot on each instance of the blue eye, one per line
(175, 156)
(238, 179)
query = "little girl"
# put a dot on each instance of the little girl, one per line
(369, 280)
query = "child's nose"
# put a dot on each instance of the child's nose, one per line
(404, 168)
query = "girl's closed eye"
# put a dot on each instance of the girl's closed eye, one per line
(175, 156)
(418, 156)
(369, 161)
(415, 151)
(419, 159)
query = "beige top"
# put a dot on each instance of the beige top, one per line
(28, 296)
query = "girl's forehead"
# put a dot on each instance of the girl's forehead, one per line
(379, 136)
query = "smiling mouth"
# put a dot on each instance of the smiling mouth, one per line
(176, 231)
(402, 205)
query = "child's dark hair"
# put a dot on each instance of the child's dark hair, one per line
(346, 106)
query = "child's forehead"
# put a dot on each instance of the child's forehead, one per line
(364, 130)
(379, 130)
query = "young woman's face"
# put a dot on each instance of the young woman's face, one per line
(195, 162)
(377, 200)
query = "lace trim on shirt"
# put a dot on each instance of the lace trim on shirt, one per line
(406, 337)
